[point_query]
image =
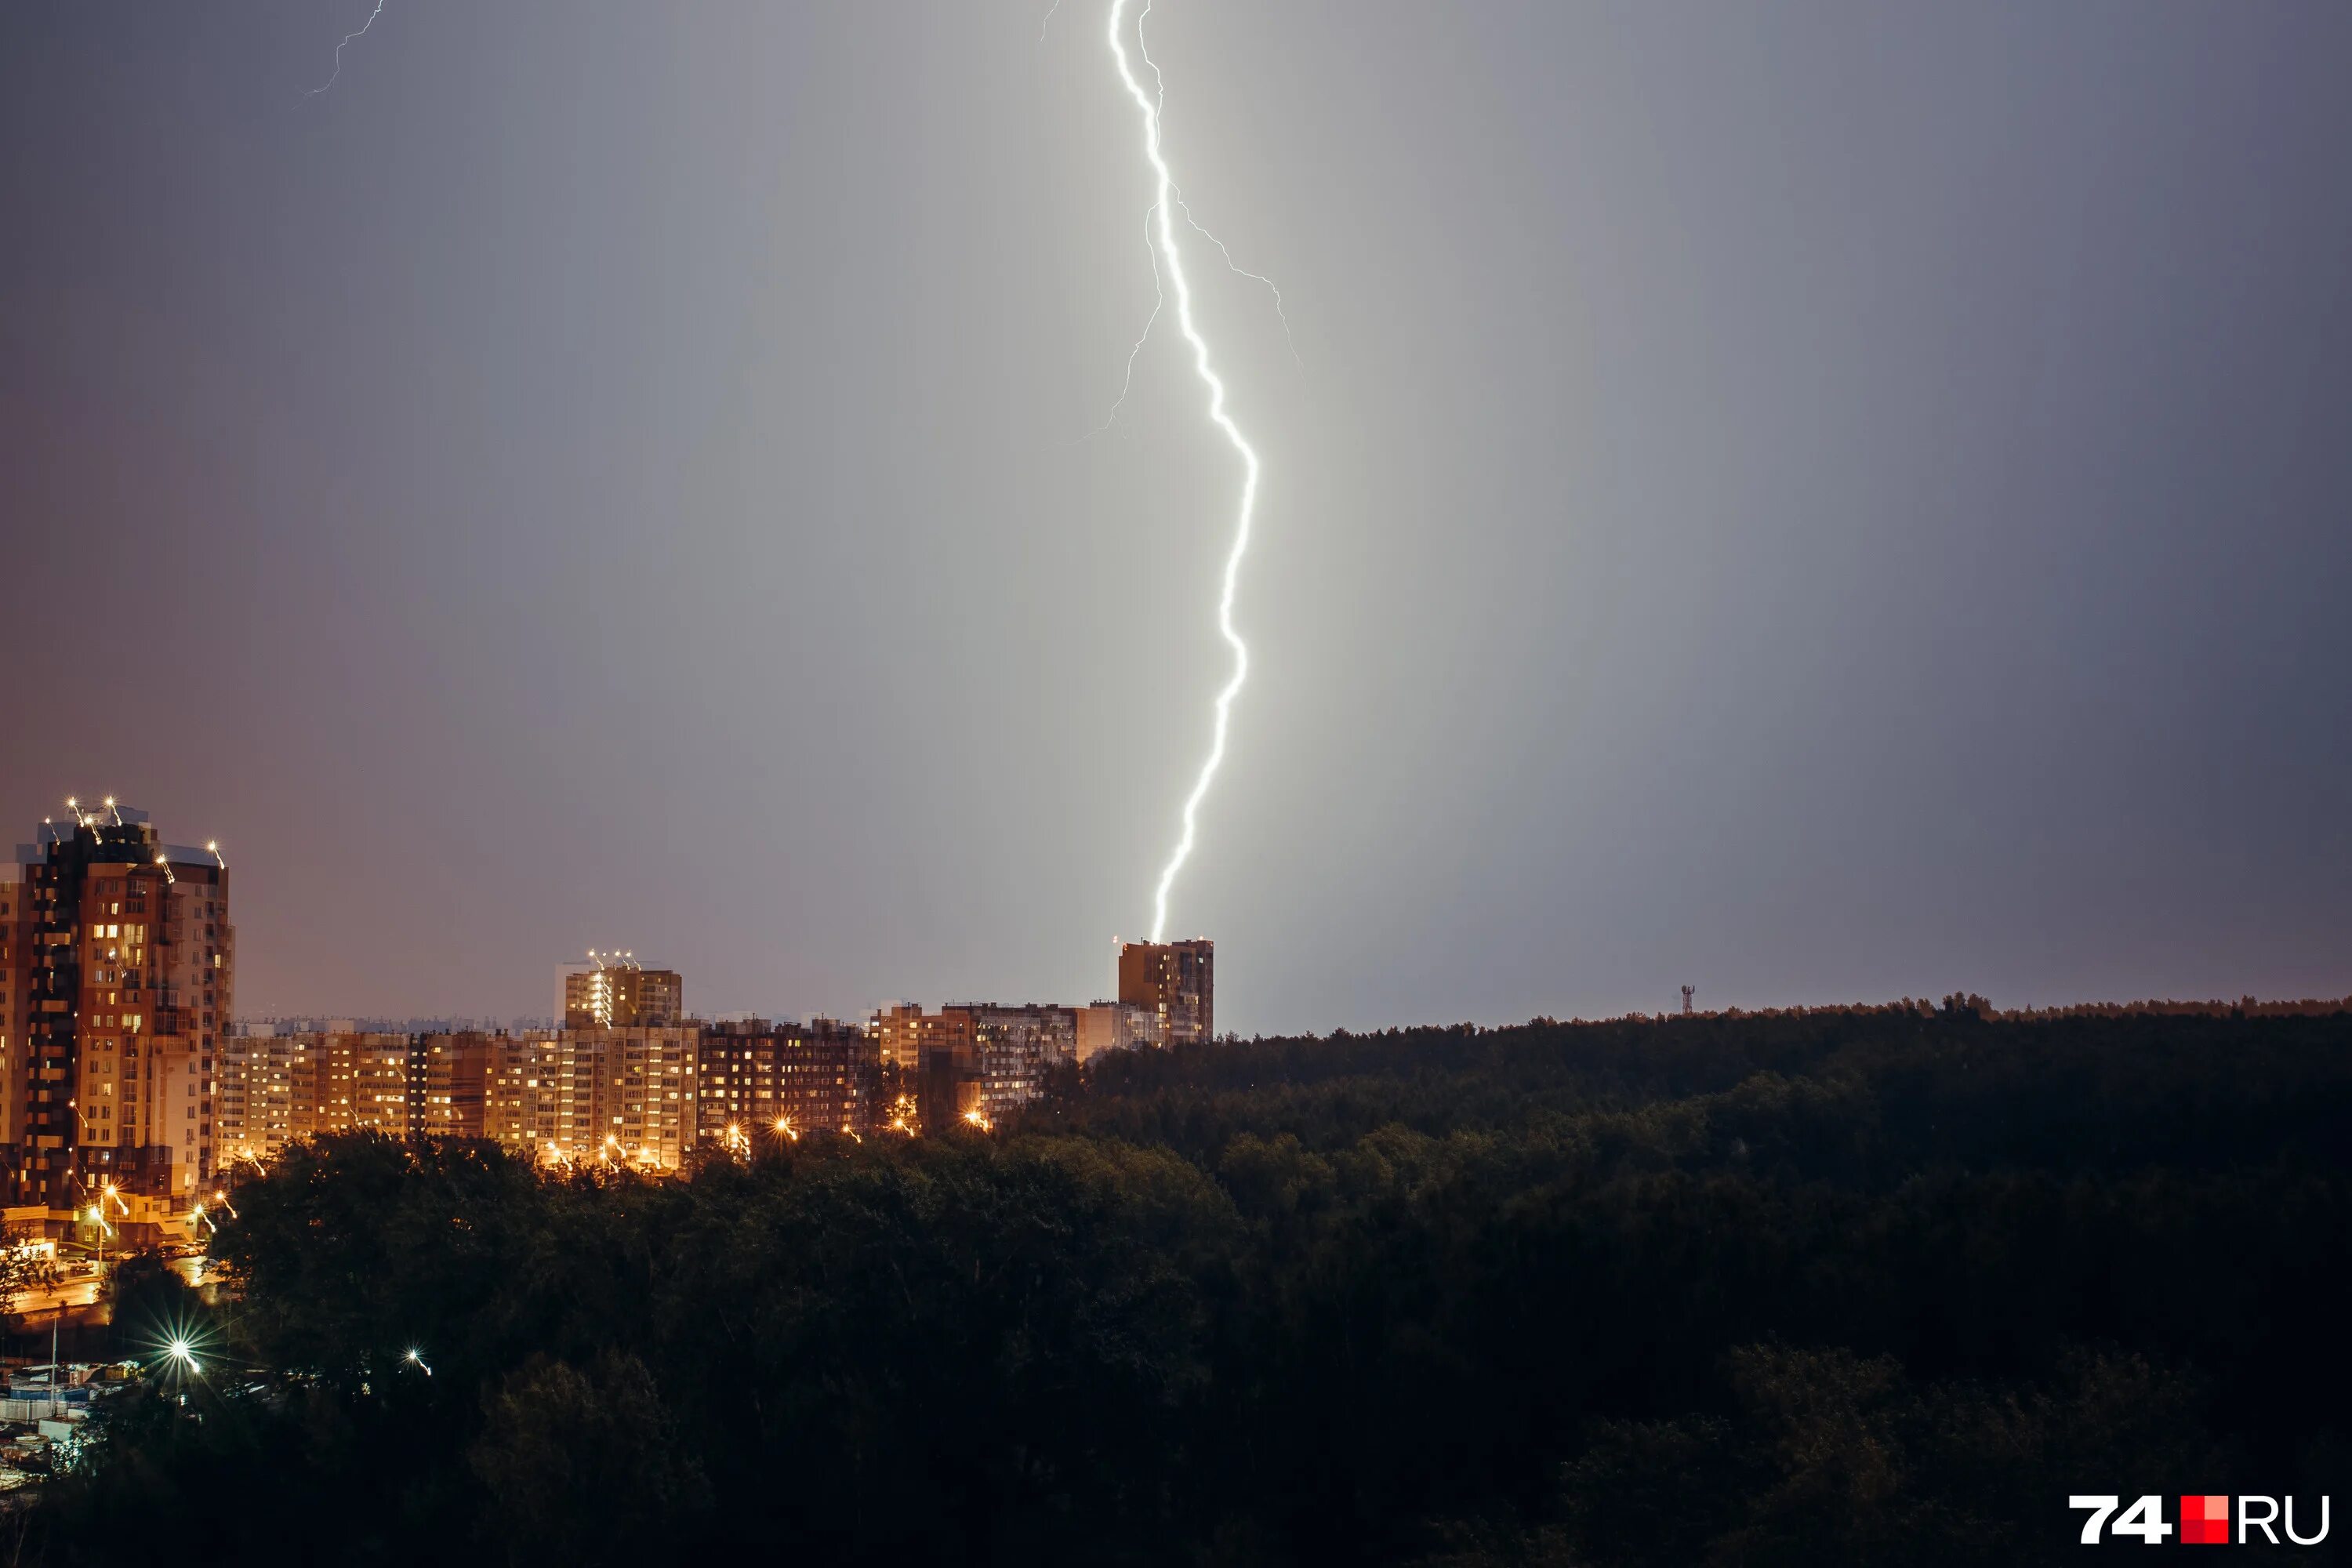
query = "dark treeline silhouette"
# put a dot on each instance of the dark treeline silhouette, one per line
(1829, 1287)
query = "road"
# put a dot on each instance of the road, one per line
(73, 1294)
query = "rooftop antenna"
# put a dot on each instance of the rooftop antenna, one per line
(1687, 992)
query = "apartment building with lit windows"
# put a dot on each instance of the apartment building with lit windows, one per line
(1118, 1026)
(1017, 1047)
(269, 1092)
(613, 991)
(1175, 980)
(530, 1092)
(119, 981)
(760, 1080)
(453, 1093)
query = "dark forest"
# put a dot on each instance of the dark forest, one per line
(1839, 1286)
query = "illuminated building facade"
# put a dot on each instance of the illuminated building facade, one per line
(277, 1087)
(934, 1058)
(1175, 980)
(360, 1082)
(453, 1098)
(638, 1108)
(1017, 1047)
(15, 1007)
(624, 1097)
(974, 1061)
(530, 1090)
(383, 1084)
(735, 1084)
(269, 1092)
(1118, 1026)
(615, 992)
(647, 1116)
(828, 1075)
(120, 972)
(756, 1074)
(621, 1095)
(902, 1032)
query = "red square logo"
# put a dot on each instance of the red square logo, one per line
(2205, 1519)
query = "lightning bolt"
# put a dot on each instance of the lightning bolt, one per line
(339, 50)
(1236, 267)
(1172, 265)
(1159, 303)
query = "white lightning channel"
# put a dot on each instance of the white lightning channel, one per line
(1172, 258)
(339, 50)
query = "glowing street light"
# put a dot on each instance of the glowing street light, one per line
(417, 1358)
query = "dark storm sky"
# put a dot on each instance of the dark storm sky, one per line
(1821, 501)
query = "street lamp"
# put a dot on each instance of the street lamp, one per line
(417, 1358)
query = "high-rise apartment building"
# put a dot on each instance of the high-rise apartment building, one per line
(1017, 1047)
(1177, 980)
(454, 1092)
(1117, 1027)
(15, 1007)
(531, 1089)
(120, 971)
(936, 1061)
(648, 1114)
(759, 1080)
(361, 1082)
(384, 1083)
(277, 1087)
(828, 1076)
(735, 1084)
(268, 1093)
(624, 1097)
(905, 1036)
(615, 992)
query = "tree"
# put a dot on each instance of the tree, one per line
(23, 1267)
(152, 1302)
(587, 1467)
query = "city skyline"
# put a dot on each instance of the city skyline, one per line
(130, 1087)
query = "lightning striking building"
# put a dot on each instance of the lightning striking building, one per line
(117, 967)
